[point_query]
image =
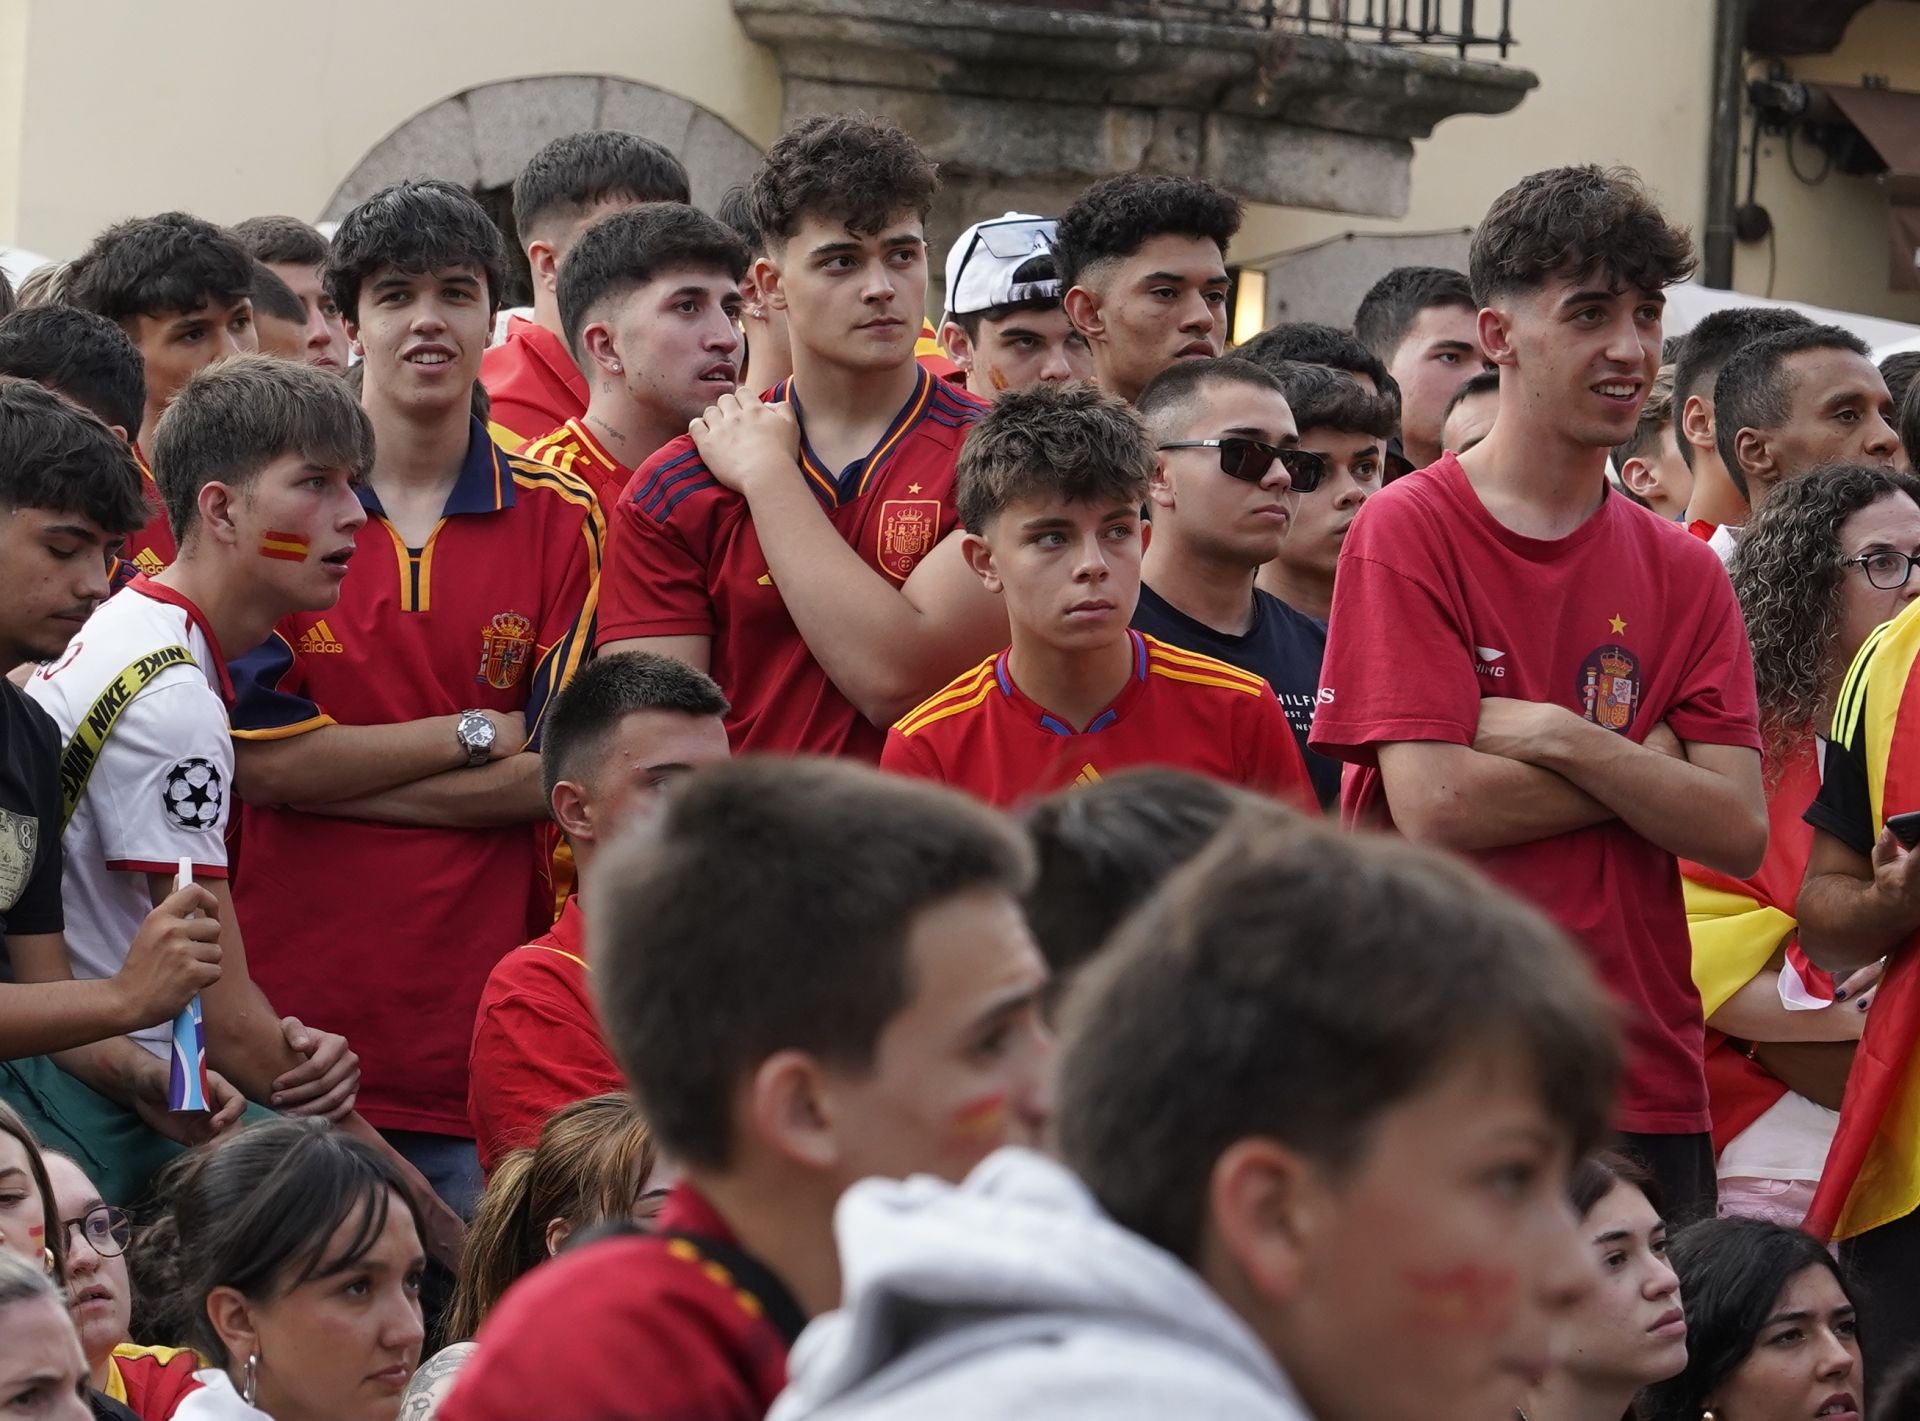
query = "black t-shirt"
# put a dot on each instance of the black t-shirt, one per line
(30, 860)
(1283, 647)
(1844, 806)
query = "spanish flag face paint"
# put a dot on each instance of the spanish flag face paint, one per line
(285, 547)
(982, 1119)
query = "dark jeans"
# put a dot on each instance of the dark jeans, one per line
(1682, 1168)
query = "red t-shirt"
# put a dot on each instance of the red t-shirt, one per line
(683, 560)
(532, 383)
(152, 548)
(1627, 620)
(984, 735)
(573, 450)
(385, 933)
(536, 1042)
(647, 1328)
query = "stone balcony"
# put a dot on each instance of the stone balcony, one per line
(1023, 104)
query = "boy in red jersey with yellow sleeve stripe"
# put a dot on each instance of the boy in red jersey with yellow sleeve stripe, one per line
(1050, 487)
(388, 749)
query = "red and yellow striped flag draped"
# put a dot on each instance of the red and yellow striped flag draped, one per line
(1873, 1170)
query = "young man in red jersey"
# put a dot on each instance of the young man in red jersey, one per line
(1534, 671)
(623, 732)
(387, 746)
(649, 298)
(1051, 483)
(800, 547)
(1143, 261)
(565, 188)
(181, 290)
(912, 1043)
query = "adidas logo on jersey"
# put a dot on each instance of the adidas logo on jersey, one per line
(149, 562)
(317, 639)
(1087, 776)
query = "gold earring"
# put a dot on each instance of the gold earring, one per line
(46, 1261)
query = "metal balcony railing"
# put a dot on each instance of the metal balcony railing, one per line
(1462, 25)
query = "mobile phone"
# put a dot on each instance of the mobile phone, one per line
(1906, 828)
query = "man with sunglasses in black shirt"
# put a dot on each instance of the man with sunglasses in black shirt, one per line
(1227, 485)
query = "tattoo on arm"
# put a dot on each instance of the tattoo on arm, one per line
(432, 1381)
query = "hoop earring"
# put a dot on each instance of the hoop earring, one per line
(46, 1261)
(251, 1388)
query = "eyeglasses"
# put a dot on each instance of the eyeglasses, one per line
(1248, 460)
(106, 1229)
(1887, 570)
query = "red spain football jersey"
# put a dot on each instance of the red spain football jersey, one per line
(382, 932)
(151, 549)
(683, 560)
(532, 384)
(572, 449)
(1180, 709)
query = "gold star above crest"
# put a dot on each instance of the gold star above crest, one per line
(1618, 624)
(913, 488)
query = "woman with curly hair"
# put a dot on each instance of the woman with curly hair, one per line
(1824, 561)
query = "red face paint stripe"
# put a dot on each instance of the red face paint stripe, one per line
(986, 1113)
(289, 547)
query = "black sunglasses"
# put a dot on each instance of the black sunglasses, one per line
(1248, 460)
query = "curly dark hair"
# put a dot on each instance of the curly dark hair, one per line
(853, 168)
(1117, 216)
(1787, 574)
(414, 226)
(1575, 223)
(150, 265)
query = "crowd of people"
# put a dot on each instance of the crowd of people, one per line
(729, 851)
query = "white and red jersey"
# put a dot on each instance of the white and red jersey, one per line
(159, 791)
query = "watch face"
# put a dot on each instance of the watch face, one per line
(478, 732)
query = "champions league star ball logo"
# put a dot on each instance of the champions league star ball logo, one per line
(193, 794)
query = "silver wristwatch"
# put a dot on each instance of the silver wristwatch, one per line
(475, 734)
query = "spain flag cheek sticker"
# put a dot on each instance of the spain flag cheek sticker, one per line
(286, 547)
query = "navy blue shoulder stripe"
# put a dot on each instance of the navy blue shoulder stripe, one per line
(645, 490)
(694, 486)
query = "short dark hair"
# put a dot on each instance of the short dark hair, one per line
(150, 265)
(1752, 391)
(1073, 442)
(606, 691)
(1324, 398)
(1899, 370)
(273, 297)
(697, 979)
(735, 210)
(1296, 983)
(1714, 339)
(1310, 343)
(1394, 302)
(85, 357)
(1574, 223)
(1038, 267)
(1102, 849)
(850, 168)
(55, 455)
(8, 302)
(1657, 412)
(1731, 1273)
(238, 415)
(282, 241)
(414, 226)
(1169, 397)
(1481, 382)
(625, 250)
(255, 1212)
(573, 174)
(1118, 215)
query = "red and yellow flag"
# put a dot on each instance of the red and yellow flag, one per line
(1873, 1170)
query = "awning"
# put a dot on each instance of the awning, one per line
(1889, 119)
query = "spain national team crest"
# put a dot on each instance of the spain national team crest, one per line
(908, 527)
(19, 838)
(506, 646)
(1610, 688)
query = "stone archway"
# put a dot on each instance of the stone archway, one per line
(481, 138)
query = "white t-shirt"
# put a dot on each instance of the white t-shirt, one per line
(1724, 540)
(158, 792)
